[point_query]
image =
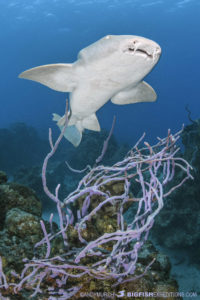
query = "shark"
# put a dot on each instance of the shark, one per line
(112, 68)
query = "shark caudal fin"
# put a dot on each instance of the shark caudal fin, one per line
(73, 132)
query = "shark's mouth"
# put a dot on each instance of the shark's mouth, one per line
(138, 50)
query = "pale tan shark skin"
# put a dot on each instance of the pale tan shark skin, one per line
(113, 68)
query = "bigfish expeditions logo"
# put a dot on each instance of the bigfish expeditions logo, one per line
(124, 294)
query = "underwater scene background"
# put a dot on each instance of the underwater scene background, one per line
(39, 32)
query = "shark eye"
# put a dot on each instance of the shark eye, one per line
(107, 37)
(131, 49)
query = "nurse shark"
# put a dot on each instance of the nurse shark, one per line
(112, 68)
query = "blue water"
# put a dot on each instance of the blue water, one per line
(50, 31)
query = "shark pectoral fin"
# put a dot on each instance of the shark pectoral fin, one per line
(142, 92)
(91, 123)
(59, 77)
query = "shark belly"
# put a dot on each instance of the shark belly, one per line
(98, 83)
(89, 97)
(83, 104)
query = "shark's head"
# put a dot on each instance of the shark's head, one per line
(140, 48)
(133, 53)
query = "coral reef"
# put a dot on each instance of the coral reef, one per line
(13, 195)
(22, 230)
(178, 225)
(20, 213)
(96, 249)
(78, 158)
(23, 150)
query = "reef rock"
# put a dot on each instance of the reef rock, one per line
(13, 195)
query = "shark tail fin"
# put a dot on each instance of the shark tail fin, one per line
(73, 132)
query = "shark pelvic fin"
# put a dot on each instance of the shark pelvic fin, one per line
(91, 123)
(59, 77)
(142, 92)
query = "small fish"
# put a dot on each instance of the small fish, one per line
(111, 68)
